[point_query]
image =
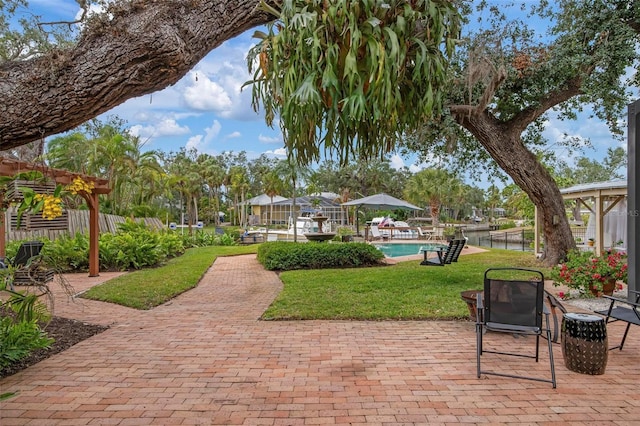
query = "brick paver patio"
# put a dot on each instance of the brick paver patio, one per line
(204, 358)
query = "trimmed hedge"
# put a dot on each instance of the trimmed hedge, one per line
(285, 256)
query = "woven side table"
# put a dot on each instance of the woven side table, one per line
(584, 343)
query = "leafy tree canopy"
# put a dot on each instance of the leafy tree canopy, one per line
(579, 55)
(352, 75)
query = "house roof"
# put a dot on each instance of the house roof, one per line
(307, 201)
(263, 200)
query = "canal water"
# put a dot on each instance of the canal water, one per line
(521, 240)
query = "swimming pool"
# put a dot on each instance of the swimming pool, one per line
(403, 249)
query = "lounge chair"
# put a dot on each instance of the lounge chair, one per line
(424, 235)
(458, 250)
(454, 246)
(444, 256)
(448, 255)
(376, 234)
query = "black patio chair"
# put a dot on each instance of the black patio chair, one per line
(623, 310)
(513, 304)
(26, 252)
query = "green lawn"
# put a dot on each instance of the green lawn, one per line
(404, 291)
(147, 288)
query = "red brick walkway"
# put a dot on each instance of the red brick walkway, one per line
(204, 358)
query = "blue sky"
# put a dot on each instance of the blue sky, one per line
(208, 111)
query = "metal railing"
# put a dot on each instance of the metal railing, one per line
(521, 240)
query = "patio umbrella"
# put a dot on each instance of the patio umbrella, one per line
(380, 201)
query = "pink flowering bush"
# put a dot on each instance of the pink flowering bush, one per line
(584, 271)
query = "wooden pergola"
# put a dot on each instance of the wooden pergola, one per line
(594, 197)
(10, 167)
(601, 194)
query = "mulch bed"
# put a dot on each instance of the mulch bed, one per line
(66, 332)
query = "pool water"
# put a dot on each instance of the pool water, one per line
(404, 249)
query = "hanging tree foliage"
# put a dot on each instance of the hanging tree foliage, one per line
(352, 75)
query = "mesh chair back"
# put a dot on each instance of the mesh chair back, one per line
(514, 301)
(26, 251)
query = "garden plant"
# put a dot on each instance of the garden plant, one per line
(588, 274)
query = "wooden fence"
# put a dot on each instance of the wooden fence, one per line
(70, 223)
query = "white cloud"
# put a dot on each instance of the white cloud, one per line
(195, 142)
(212, 132)
(169, 127)
(233, 135)
(164, 127)
(280, 152)
(269, 139)
(415, 168)
(201, 142)
(226, 70)
(593, 135)
(206, 95)
(396, 162)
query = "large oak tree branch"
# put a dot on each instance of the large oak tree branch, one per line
(145, 46)
(528, 115)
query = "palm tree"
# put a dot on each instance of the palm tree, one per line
(293, 172)
(345, 195)
(272, 186)
(239, 185)
(184, 177)
(432, 186)
(70, 152)
(213, 174)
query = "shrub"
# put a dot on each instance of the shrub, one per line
(285, 256)
(200, 238)
(135, 246)
(508, 225)
(66, 253)
(19, 339)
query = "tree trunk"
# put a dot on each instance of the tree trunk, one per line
(217, 207)
(143, 47)
(504, 144)
(434, 207)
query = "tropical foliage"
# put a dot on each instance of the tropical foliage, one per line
(368, 71)
(21, 317)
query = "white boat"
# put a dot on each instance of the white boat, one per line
(303, 225)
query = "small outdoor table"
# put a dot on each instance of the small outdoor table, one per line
(584, 343)
(439, 249)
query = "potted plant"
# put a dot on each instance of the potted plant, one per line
(449, 233)
(345, 234)
(589, 274)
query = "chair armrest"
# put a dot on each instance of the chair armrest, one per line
(479, 308)
(625, 301)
